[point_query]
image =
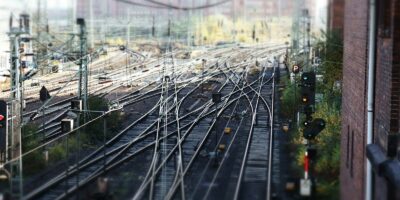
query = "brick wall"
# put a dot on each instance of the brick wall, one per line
(336, 15)
(387, 91)
(354, 99)
(387, 95)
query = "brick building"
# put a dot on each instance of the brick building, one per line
(383, 153)
(336, 15)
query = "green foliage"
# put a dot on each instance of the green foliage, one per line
(29, 137)
(35, 162)
(328, 142)
(95, 130)
(330, 49)
(290, 99)
(328, 190)
(57, 153)
(97, 103)
(327, 164)
(218, 28)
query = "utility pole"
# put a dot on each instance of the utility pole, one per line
(91, 24)
(189, 27)
(128, 28)
(16, 35)
(169, 30)
(296, 27)
(163, 121)
(305, 35)
(73, 14)
(83, 84)
(153, 28)
(83, 71)
(201, 25)
(308, 29)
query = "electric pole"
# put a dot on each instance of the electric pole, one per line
(153, 28)
(83, 71)
(91, 24)
(305, 34)
(17, 35)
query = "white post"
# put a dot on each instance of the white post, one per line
(370, 106)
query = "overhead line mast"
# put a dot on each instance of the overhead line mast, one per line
(83, 64)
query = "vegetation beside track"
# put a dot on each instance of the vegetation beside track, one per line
(88, 138)
(326, 166)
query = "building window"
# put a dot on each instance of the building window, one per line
(385, 18)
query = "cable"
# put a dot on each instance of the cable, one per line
(141, 4)
(169, 6)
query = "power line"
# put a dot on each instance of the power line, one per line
(169, 6)
(141, 4)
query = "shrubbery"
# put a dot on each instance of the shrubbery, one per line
(327, 164)
(288, 99)
(35, 161)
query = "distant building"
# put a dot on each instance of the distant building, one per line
(384, 154)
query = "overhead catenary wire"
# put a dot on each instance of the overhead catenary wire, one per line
(162, 5)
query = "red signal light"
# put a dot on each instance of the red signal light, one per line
(1, 119)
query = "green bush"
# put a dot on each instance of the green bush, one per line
(94, 132)
(289, 102)
(331, 53)
(327, 164)
(35, 161)
(57, 153)
(30, 139)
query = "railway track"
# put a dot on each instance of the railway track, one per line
(250, 154)
(58, 179)
(182, 141)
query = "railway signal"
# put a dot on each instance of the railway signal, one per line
(67, 125)
(311, 153)
(308, 80)
(76, 104)
(308, 89)
(307, 123)
(314, 128)
(308, 110)
(3, 125)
